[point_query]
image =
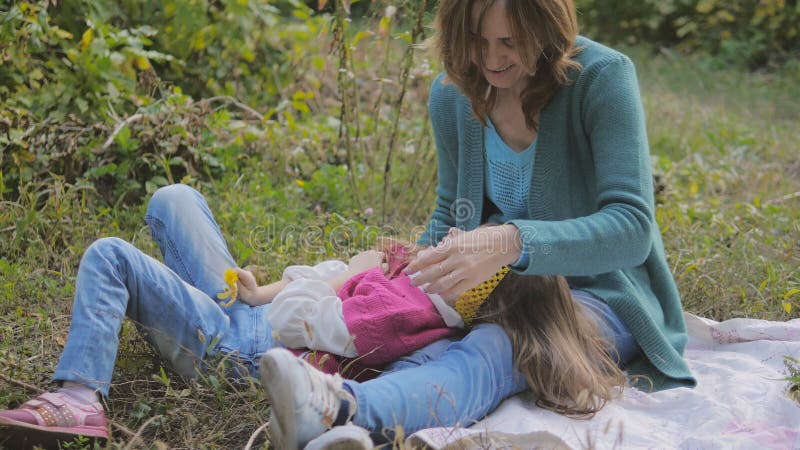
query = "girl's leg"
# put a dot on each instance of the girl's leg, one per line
(189, 238)
(173, 308)
(192, 245)
(116, 280)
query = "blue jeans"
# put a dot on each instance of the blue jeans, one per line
(458, 381)
(173, 304)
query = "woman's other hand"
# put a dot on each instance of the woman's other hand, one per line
(464, 259)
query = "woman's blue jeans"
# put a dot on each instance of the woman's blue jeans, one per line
(458, 381)
(174, 305)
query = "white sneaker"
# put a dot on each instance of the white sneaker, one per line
(305, 401)
(345, 437)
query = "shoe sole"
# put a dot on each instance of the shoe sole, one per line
(347, 445)
(282, 426)
(20, 435)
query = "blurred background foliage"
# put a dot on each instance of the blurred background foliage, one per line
(744, 32)
(74, 72)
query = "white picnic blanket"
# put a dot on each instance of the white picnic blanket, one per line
(740, 402)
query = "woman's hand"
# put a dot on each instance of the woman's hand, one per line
(464, 259)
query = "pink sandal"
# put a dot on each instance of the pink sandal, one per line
(51, 418)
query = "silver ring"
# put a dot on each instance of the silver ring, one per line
(441, 269)
(450, 278)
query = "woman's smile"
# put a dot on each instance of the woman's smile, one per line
(499, 59)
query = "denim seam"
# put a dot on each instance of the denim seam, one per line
(360, 404)
(170, 246)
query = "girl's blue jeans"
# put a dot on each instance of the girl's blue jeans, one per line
(174, 306)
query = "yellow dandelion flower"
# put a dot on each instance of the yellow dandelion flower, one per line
(232, 290)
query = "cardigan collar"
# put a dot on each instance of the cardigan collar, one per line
(468, 208)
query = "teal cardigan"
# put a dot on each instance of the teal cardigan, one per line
(591, 205)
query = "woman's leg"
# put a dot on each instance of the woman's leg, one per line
(463, 384)
(447, 383)
(623, 346)
(473, 376)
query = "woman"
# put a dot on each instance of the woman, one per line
(543, 132)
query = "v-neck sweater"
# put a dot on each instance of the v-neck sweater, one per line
(591, 208)
(507, 172)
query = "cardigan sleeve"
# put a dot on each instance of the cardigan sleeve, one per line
(442, 106)
(619, 233)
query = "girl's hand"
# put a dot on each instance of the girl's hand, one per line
(246, 285)
(464, 259)
(365, 260)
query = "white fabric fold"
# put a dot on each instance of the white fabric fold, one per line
(322, 271)
(308, 314)
(450, 316)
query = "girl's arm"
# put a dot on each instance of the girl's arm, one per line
(360, 263)
(253, 294)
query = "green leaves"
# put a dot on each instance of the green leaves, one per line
(741, 32)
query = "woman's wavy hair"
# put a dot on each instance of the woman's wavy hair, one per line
(557, 345)
(544, 32)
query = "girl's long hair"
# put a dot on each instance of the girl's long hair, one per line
(557, 345)
(544, 32)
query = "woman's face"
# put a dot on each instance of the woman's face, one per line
(502, 66)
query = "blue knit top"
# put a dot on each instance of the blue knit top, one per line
(508, 175)
(590, 206)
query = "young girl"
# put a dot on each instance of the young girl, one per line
(542, 132)
(366, 311)
(377, 316)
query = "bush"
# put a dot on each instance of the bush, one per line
(739, 31)
(102, 92)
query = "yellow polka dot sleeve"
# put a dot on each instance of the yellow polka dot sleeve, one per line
(470, 301)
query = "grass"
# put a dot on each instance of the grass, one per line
(725, 152)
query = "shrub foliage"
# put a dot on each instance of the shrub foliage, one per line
(103, 92)
(750, 32)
